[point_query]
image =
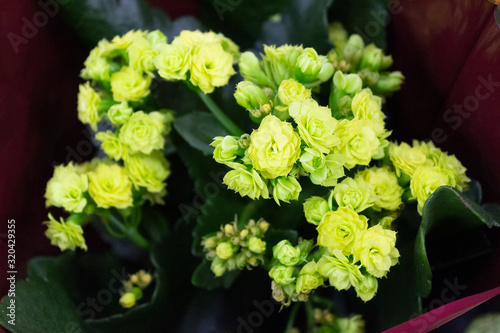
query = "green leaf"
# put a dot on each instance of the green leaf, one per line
(366, 18)
(203, 277)
(447, 211)
(302, 22)
(199, 129)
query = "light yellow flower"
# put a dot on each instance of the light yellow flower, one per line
(149, 171)
(338, 229)
(246, 182)
(354, 193)
(119, 114)
(282, 274)
(365, 105)
(143, 132)
(211, 66)
(66, 189)
(88, 105)
(315, 208)
(407, 159)
(375, 249)
(358, 141)
(173, 61)
(308, 279)
(330, 172)
(141, 56)
(225, 250)
(274, 148)
(226, 148)
(65, 235)
(311, 66)
(285, 189)
(112, 145)
(340, 272)
(110, 186)
(256, 245)
(426, 180)
(129, 85)
(286, 253)
(386, 190)
(96, 66)
(367, 287)
(122, 42)
(315, 124)
(291, 91)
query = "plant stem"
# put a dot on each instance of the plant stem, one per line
(291, 319)
(310, 316)
(130, 232)
(228, 124)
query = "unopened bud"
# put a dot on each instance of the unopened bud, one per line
(127, 300)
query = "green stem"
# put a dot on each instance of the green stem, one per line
(293, 314)
(130, 232)
(310, 316)
(228, 124)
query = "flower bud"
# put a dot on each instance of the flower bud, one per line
(367, 287)
(285, 189)
(282, 274)
(308, 279)
(278, 292)
(354, 324)
(137, 293)
(308, 65)
(127, 300)
(389, 82)
(353, 50)
(372, 58)
(315, 208)
(249, 95)
(256, 245)
(349, 83)
(287, 254)
(119, 114)
(250, 69)
(218, 267)
(224, 250)
(263, 226)
(337, 35)
(157, 39)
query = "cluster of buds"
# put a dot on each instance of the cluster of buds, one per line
(293, 276)
(132, 288)
(325, 321)
(230, 249)
(351, 55)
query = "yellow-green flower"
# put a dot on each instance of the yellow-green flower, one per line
(407, 159)
(358, 141)
(367, 287)
(112, 145)
(426, 180)
(144, 132)
(226, 148)
(330, 172)
(246, 182)
(386, 190)
(96, 66)
(256, 245)
(110, 186)
(225, 250)
(250, 96)
(353, 193)
(353, 324)
(211, 66)
(282, 274)
(88, 105)
(311, 66)
(124, 41)
(315, 124)
(65, 235)
(315, 208)
(286, 253)
(129, 85)
(291, 91)
(142, 55)
(308, 279)
(218, 267)
(339, 228)
(285, 189)
(119, 114)
(127, 300)
(365, 105)
(173, 61)
(192, 38)
(340, 272)
(274, 148)
(149, 171)
(375, 249)
(66, 189)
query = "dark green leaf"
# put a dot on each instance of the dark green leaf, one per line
(366, 18)
(475, 192)
(199, 129)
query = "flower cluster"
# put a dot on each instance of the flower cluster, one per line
(132, 288)
(230, 249)
(326, 321)
(425, 168)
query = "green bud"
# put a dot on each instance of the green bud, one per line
(287, 254)
(315, 208)
(326, 71)
(353, 50)
(250, 69)
(256, 245)
(218, 267)
(389, 82)
(367, 287)
(349, 83)
(249, 95)
(241, 260)
(311, 159)
(119, 114)
(157, 39)
(372, 58)
(308, 65)
(137, 292)
(337, 35)
(285, 189)
(282, 274)
(386, 62)
(226, 148)
(224, 250)
(127, 300)
(308, 279)
(354, 324)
